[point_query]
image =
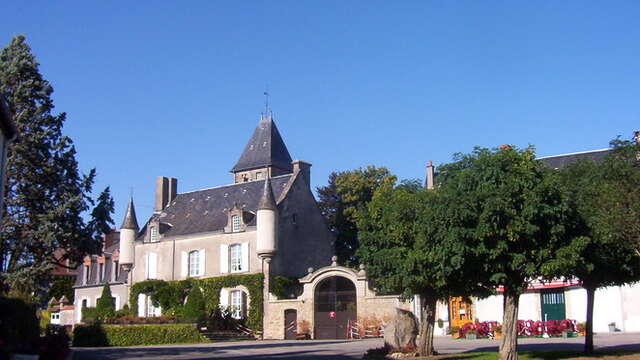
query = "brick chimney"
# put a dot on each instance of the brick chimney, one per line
(166, 191)
(429, 180)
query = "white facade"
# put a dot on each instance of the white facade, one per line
(617, 304)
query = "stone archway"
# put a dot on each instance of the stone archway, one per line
(335, 304)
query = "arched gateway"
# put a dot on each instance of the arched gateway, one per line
(335, 305)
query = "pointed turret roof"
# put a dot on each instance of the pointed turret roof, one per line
(265, 148)
(130, 221)
(267, 202)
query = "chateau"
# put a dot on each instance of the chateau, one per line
(267, 222)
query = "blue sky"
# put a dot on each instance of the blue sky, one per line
(176, 88)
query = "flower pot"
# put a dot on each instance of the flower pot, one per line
(497, 335)
(455, 335)
(470, 336)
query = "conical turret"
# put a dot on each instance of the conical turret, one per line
(128, 232)
(130, 221)
(267, 202)
(267, 223)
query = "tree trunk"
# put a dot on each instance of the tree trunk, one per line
(509, 343)
(588, 339)
(427, 322)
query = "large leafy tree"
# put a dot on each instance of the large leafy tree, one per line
(341, 200)
(402, 231)
(45, 192)
(606, 198)
(509, 216)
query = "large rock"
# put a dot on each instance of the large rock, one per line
(401, 332)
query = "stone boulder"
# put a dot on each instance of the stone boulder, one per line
(401, 332)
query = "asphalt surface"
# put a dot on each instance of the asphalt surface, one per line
(338, 349)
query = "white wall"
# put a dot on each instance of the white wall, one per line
(631, 307)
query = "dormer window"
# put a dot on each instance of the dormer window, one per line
(153, 234)
(259, 175)
(235, 223)
(87, 273)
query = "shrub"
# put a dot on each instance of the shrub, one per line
(19, 327)
(104, 307)
(90, 315)
(55, 343)
(194, 308)
(130, 335)
(45, 319)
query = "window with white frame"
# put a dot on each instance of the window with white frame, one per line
(194, 263)
(259, 175)
(152, 310)
(236, 304)
(153, 234)
(55, 318)
(235, 258)
(235, 223)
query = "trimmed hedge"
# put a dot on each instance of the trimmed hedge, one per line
(170, 295)
(130, 335)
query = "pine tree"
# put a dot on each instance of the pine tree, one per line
(104, 306)
(101, 220)
(45, 192)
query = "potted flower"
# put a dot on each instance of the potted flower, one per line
(582, 328)
(612, 327)
(454, 331)
(304, 330)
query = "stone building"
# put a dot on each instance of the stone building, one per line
(267, 221)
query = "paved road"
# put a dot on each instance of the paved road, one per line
(336, 349)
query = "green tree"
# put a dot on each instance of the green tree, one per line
(101, 220)
(45, 192)
(194, 307)
(509, 216)
(105, 307)
(603, 256)
(401, 235)
(341, 200)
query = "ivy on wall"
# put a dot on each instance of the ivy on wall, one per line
(171, 295)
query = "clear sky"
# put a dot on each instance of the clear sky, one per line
(175, 88)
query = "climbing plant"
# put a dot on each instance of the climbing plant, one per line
(170, 295)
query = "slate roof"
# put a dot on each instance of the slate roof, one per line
(130, 221)
(207, 210)
(265, 148)
(562, 160)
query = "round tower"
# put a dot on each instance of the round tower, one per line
(128, 232)
(266, 223)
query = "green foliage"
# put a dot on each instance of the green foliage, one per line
(346, 194)
(194, 307)
(504, 215)
(104, 307)
(45, 192)
(61, 286)
(101, 221)
(90, 315)
(19, 326)
(170, 295)
(285, 287)
(44, 320)
(130, 335)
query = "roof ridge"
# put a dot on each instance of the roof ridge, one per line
(230, 185)
(573, 153)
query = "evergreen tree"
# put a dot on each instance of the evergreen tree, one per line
(101, 220)
(194, 308)
(104, 306)
(45, 192)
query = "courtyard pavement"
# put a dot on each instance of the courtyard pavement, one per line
(337, 349)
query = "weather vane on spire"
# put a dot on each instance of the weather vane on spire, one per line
(266, 101)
